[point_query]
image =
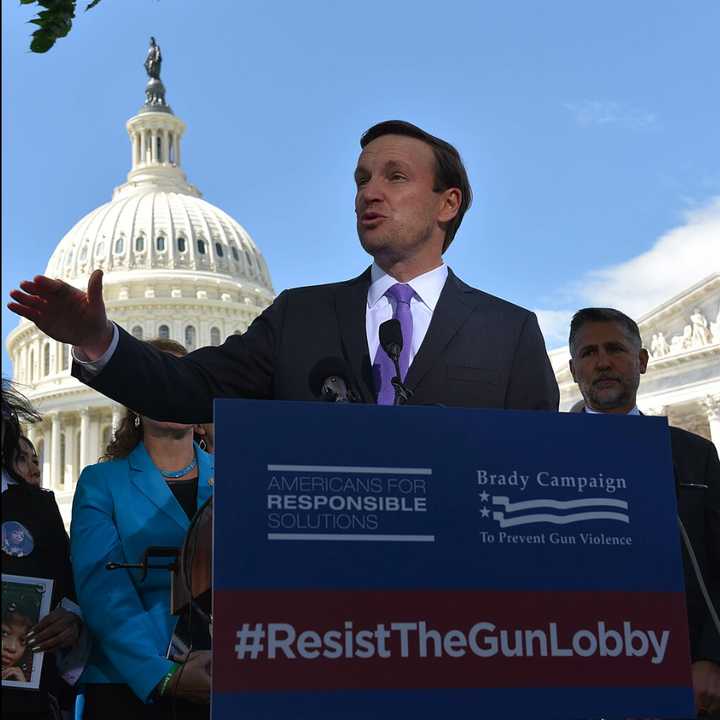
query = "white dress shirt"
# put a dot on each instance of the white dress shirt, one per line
(380, 308)
(589, 411)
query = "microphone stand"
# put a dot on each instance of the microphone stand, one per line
(402, 393)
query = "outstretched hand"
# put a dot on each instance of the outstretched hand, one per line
(65, 313)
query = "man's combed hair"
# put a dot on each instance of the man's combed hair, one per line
(449, 169)
(603, 315)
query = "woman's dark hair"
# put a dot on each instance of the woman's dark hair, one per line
(129, 432)
(16, 408)
(449, 169)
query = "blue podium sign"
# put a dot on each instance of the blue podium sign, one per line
(381, 562)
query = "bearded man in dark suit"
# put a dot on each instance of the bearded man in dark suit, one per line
(606, 361)
(461, 346)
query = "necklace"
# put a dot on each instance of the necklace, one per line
(181, 472)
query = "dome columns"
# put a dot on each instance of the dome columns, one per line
(155, 139)
(56, 468)
(155, 152)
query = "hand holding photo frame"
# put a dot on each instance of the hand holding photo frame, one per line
(25, 601)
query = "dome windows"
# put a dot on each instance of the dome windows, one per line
(100, 249)
(182, 244)
(235, 254)
(46, 359)
(83, 252)
(190, 338)
(140, 243)
(218, 249)
(119, 244)
(214, 336)
(164, 332)
(160, 243)
(201, 246)
(137, 332)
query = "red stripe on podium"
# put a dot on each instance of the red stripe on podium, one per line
(567, 620)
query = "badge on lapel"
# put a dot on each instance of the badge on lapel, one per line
(17, 540)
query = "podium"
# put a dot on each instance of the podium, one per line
(386, 562)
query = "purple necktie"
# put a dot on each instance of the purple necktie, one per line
(383, 367)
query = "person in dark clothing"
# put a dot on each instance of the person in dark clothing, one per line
(35, 545)
(606, 361)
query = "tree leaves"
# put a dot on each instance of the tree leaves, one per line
(54, 22)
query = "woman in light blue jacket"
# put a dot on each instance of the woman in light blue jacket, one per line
(145, 495)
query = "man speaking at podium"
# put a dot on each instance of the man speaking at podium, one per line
(460, 346)
(606, 361)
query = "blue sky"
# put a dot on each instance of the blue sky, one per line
(591, 133)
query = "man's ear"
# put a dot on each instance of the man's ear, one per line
(572, 369)
(644, 359)
(452, 197)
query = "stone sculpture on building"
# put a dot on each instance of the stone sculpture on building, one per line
(659, 346)
(700, 329)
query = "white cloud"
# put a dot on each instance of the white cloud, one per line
(590, 113)
(678, 259)
(555, 325)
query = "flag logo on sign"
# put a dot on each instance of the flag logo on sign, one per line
(555, 511)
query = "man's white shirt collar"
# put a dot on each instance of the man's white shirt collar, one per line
(589, 411)
(427, 286)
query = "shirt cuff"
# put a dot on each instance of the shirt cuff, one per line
(71, 661)
(91, 368)
(72, 607)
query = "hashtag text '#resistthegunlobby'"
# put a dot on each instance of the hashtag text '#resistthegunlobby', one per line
(415, 639)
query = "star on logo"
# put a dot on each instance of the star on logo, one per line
(485, 512)
(483, 496)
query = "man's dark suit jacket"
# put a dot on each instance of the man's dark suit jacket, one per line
(697, 474)
(697, 480)
(479, 351)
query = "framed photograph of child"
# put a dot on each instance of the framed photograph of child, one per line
(25, 601)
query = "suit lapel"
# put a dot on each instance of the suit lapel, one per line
(148, 480)
(456, 304)
(351, 307)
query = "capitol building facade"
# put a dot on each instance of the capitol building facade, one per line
(174, 265)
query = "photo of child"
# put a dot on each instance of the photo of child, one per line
(24, 602)
(16, 539)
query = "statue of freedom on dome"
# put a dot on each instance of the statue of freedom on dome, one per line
(153, 60)
(154, 90)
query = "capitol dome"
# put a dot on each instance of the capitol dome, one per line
(174, 265)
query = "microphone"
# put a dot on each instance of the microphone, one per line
(328, 381)
(391, 341)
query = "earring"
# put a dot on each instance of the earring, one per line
(137, 421)
(202, 444)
